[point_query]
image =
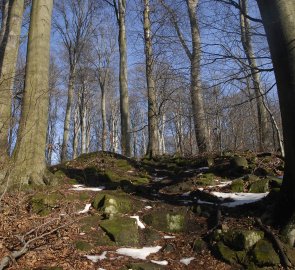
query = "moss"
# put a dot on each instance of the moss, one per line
(88, 223)
(237, 185)
(123, 164)
(264, 254)
(83, 246)
(206, 179)
(122, 230)
(226, 254)
(260, 186)
(43, 203)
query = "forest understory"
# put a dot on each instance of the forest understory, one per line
(191, 212)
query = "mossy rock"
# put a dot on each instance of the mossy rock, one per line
(122, 230)
(250, 178)
(237, 185)
(274, 182)
(113, 203)
(44, 203)
(229, 255)
(89, 223)
(264, 254)
(199, 245)
(149, 236)
(260, 186)
(168, 220)
(123, 164)
(242, 239)
(83, 246)
(239, 164)
(206, 179)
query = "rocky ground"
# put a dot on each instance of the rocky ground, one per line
(110, 212)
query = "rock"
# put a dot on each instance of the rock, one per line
(251, 178)
(167, 220)
(199, 245)
(168, 248)
(145, 266)
(148, 236)
(264, 254)
(205, 179)
(239, 164)
(83, 246)
(229, 255)
(274, 182)
(237, 185)
(43, 203)
(113, 203)
(241, 239)
(260, 186)
(122, 230)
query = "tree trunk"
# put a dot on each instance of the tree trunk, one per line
(10, 52)
(196, 88)
(124, 101)
(103, 117)
(29, 156)
(76, 132)
(263, 129)
(279, 22)
(153, 148)
(67, 121)
(4, 19)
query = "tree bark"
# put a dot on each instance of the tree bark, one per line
(4, 19)
(104, 117)
(263, 129)
(29, 156)
(279, 22)
(153, 145)
(10, 52)
(124, 100)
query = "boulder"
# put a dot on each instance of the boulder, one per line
(242, 239)
(264, 254)
(122, 230)
(199, 245)
(230, 256)
(237, 185)
(239, 164)
(43, 203)
(260, 186)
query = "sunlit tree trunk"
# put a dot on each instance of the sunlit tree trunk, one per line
(29, 156)
(279, 22)
(9, 52)
(76, 132)
(153, 149)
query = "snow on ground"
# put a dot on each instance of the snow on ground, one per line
(187, 261)
(96, 258)
(138, 253)
(169, 236)
(222, 184)
(239, 198)
(160, 262)
(148, 207)
(83, 188)
(86, 209)
(139, 223)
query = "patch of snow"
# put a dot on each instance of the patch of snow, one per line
(138, 253)
(239, 198)
(86, 209)
(222, 184)
(169, 236)
(96, 258)
(100, 269)
(83, 188)
(201, 189)
(204, 202)
(148, 207)
(281, 176)
(131, 171)
(82, 233)
(186, 194)
(187, 261)
(160, 262)
(139, 223)
(158, 179)
(203, 169)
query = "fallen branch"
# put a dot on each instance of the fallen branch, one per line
(13, 256)
(277, 243)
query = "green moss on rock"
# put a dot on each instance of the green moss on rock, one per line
(43, 203)
(237, 185)
(228, 255)
(83, 246)
(264, 254)
(260, 186)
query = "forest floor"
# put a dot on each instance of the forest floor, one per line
(183, 208)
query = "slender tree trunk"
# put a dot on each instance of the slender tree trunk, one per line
(4, 19)
(279, 22)
(10, 52)
(29, 156)
(263, 129)
(67, 121)
(76, 132)
(124, 100)
(200, 124)
(153, 148)
(103, 117)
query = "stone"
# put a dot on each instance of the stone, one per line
(83, 245)
(167, 221)
(260, 186)
(242, 239)
(113, 203)
(250, 178)
(275, 182)
(199, 245)
(237, 185)
(43, 203)
(239, 163)
(122, 230)
(264, 254)
(228, 255)
(149, 236)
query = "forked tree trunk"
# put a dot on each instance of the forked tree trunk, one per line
(9, 52)
(263, 127)
(153, 145)
(279, 22)
(29, 156)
